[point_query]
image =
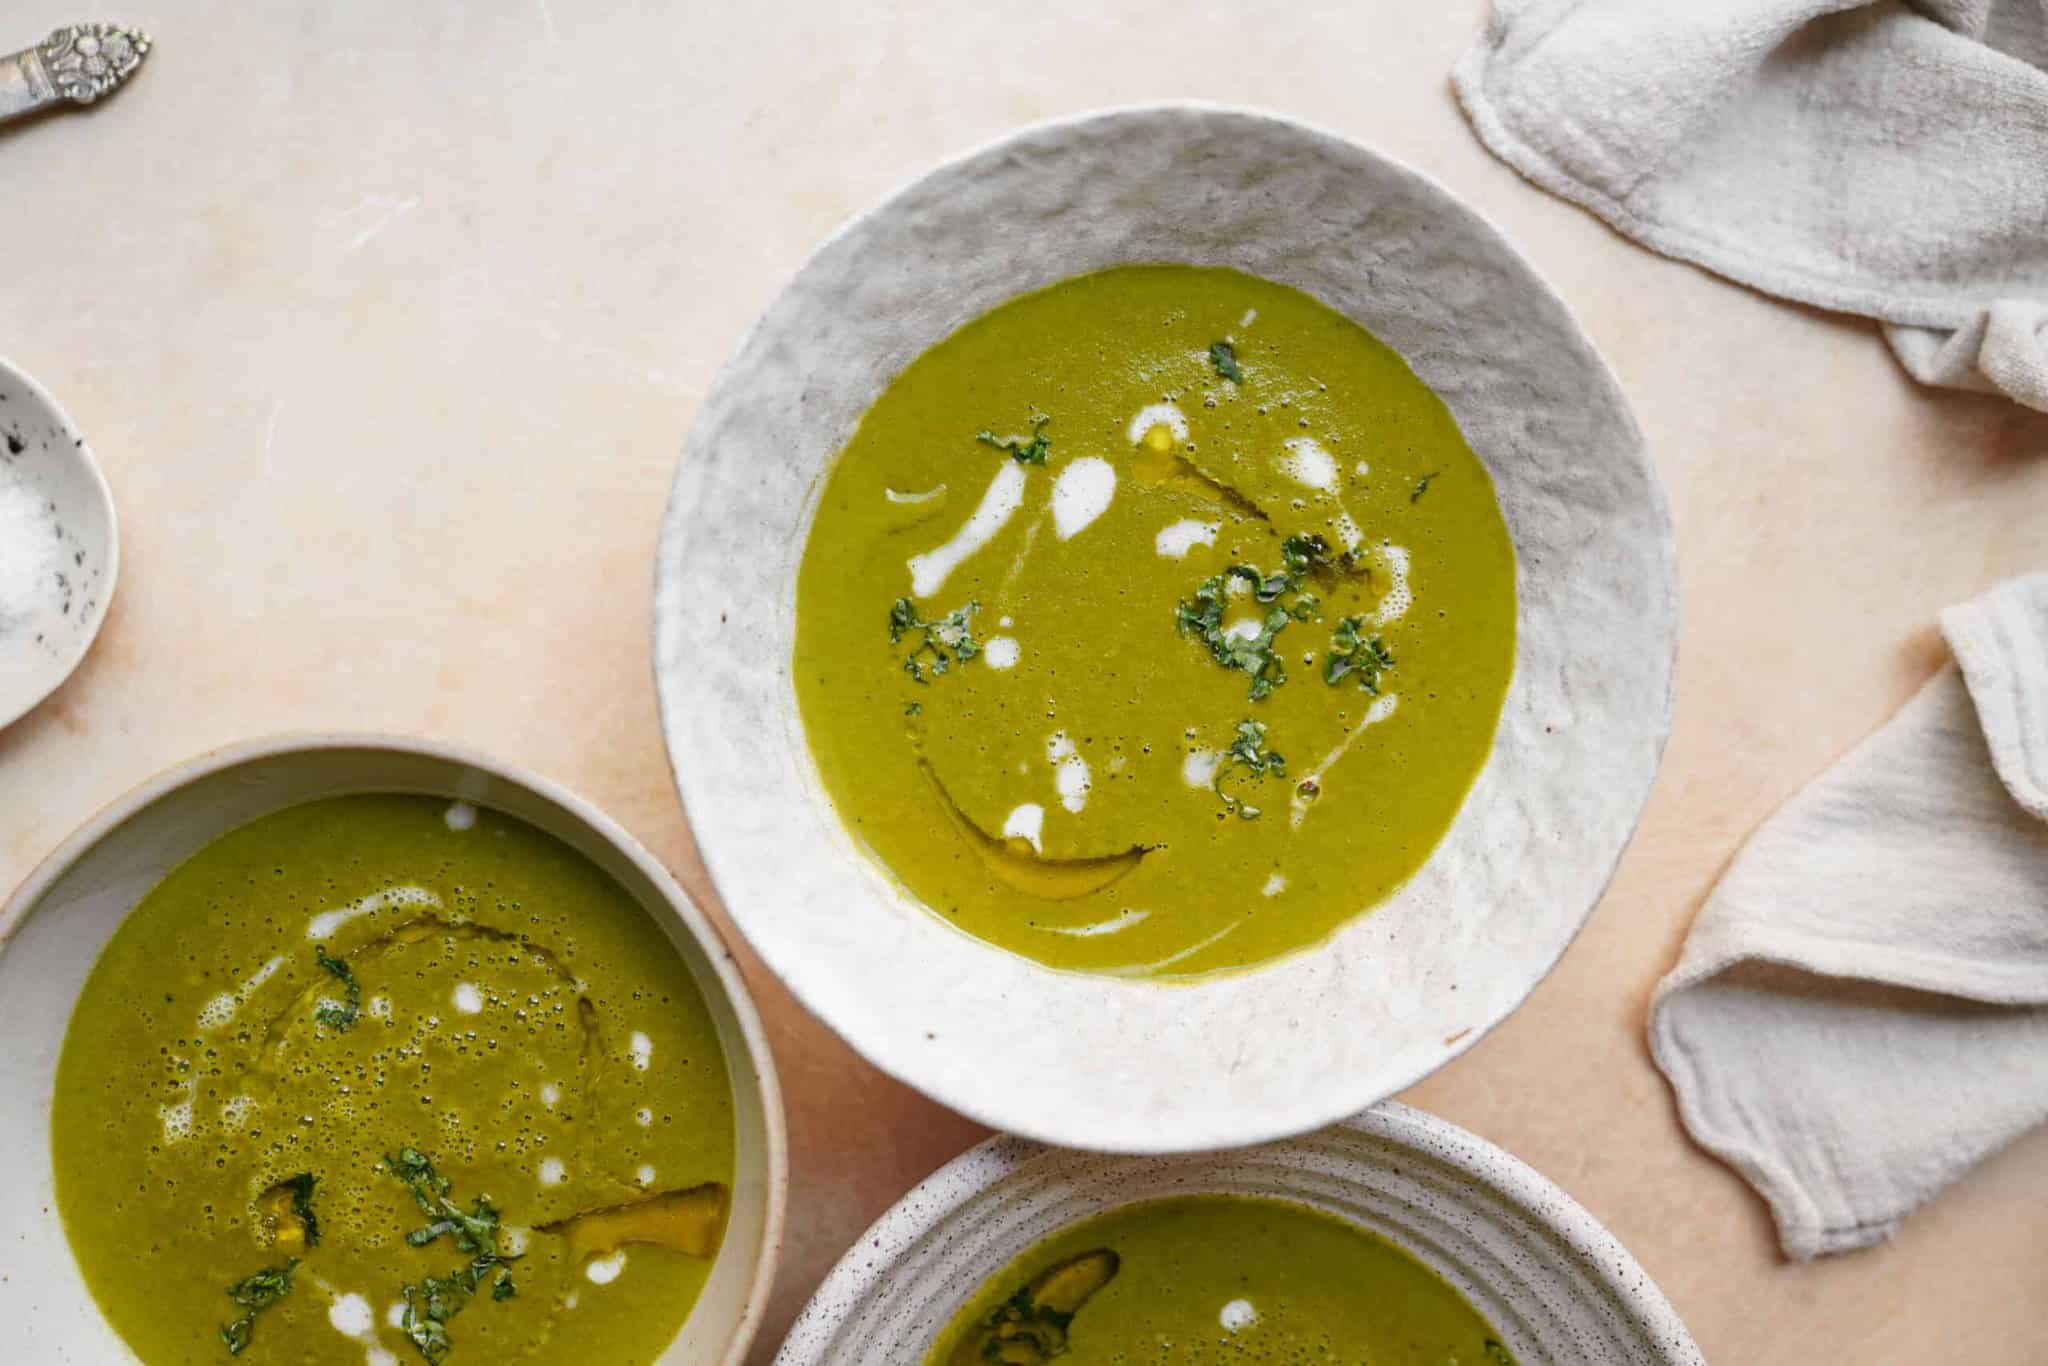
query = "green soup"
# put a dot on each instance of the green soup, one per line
(1217, 1278)
(1157, 622)
(378, 1079)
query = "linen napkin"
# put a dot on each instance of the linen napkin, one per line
(1867, 156)
(1860, 1013)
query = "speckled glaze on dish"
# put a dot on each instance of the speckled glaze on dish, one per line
(54, 925)
(1555, 1285)
(39, 444)
(1104, 1063)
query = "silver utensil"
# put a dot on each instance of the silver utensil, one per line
(77, 64)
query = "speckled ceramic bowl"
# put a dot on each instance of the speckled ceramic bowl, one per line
(45, 464)
(53, 928)
(1110, 1063)
(1554, 1284)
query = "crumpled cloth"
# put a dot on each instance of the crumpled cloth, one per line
(1860, 1012)
(1866, 156)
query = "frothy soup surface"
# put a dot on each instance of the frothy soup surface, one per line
(383, 1078)
(1217, 1278)
(1154, 623)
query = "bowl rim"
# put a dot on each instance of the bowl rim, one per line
(996, 1159)
(14, 912)
(697, 786)
(111, 575)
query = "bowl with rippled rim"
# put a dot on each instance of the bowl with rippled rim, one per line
(54, 925)
(1295, 1043)
(1554, 1284)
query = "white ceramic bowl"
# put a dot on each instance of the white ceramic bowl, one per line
(1554, 1284)
(54, 926)
(1102, 1062)
(42, 451)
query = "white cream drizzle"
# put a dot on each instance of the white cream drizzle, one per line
(1027, 823)
(893, 496)
(1348, 532)
(1001, 652)
(1142, 969)
(1070, 771)
(1394, 603)
(1116, 924)
(323, 925)
(929, 571)
(1167, 415)
(1380, 710)
(221, 1009)
(1176, 540)
(1308, 464)
(1081, 494)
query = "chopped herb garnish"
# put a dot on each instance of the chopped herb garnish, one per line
(254, 1294)
(436, 1299)
(1025, 450)
(945, 642)
(1248, 751)
(1202, 615)
(301, 1188)
(341, 1015)
(1422, 485)
(1031, 1327)
(1303, 553)
(1497, 1353)
(1350, 654)
(914, 709)
(424, 1322)
(1223, 356)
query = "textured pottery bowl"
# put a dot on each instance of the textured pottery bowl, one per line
(1554, 1284)
(54, 926)
(43, 458)
(1110, 1063)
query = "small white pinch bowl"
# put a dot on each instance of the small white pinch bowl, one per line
(40, 446)
(1108, 1063)
(1554, 1284)
(53, 928)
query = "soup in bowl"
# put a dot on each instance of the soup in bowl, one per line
(1164, 629)
(361, 1051)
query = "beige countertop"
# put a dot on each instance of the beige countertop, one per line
(387, 321)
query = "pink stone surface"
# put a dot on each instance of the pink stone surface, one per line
(386, 323)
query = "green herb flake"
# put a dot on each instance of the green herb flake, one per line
(436, 1299)
(1422, 485)
(1025, 450)
(1282, 592)
(1223, 356)
(1351, 654)
(943, 643)
(914, 709)
(254, 1294)
(301, 1187)
(341, 1016)
(1498, 1354)
(1248, 752)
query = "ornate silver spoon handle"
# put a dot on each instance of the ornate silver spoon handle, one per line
(76, 64)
